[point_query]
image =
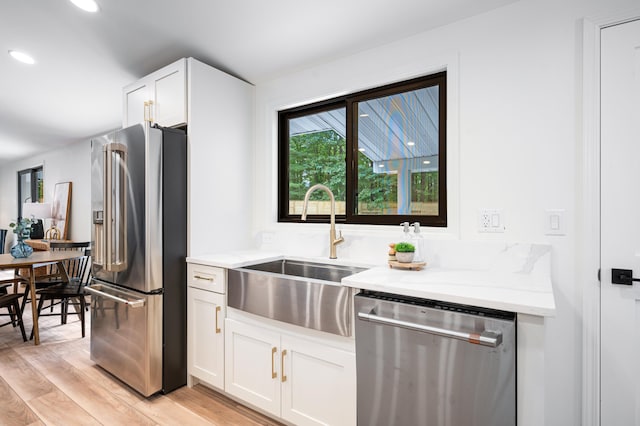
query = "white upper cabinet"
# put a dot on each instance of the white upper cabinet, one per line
(160, 97)
(218, 110)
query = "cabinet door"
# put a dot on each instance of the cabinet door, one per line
(205, 337)
(134, 97)
(169, 86)
(165, 89)
(319, 383)
(252, 365)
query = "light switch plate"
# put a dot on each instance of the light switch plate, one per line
(555, 222)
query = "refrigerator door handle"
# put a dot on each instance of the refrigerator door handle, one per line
(139, 303)
(115, 208)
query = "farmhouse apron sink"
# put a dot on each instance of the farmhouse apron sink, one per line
(306, 294)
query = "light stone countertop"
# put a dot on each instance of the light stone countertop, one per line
(521, 293)
(235, 259)
(514, 278)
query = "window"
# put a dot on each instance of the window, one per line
(382, 152)
(30, 187)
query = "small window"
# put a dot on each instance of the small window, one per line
(382, 152)
(30, 187)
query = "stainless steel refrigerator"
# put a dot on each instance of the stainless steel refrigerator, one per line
(138, 243)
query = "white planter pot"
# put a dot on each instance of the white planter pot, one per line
(406, 257)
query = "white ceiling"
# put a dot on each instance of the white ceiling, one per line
(83, 60)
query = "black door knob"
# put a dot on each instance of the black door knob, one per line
(622, 276)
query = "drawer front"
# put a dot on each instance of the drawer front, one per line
(207, 278)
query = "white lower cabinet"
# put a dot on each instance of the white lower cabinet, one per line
(251, 368)
(319, 383)
(205, 339)
(289, 376)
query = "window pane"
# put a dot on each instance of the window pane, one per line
(317, 150)
(39, 195)
(25, 188)
(398, 140)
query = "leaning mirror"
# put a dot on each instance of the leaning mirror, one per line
(60, 211)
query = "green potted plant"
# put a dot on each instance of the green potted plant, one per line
(405, 252)
(22, 229)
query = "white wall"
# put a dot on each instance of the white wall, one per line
(514, 138)
(69, 164)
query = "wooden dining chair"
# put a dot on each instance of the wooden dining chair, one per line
(3, 239)
(74, 267)
(11, 301)
(71, 293)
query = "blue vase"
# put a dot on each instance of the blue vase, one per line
(21, 250)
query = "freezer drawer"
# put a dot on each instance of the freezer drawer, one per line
(126, 335)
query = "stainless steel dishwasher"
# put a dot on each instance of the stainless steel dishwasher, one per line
(422, 362)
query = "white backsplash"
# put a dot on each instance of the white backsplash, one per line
(372, 249)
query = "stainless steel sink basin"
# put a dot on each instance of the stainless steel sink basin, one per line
(307, 294)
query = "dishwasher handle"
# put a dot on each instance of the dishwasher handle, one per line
(486, 338)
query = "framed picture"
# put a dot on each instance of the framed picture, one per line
(61, 208)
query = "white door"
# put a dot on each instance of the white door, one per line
(620, 224)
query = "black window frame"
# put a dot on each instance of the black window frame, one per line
(350, 102)
(33, 172)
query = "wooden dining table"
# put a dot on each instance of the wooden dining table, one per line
(38, 259)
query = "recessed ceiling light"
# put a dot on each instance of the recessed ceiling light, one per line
(411, 143)
(426, 162)
(364, 115)
(361, 149)
(22, 57)
(86, 5)
(380, 165)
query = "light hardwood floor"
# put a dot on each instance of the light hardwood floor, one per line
(56, 383)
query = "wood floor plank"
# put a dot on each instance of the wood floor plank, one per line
(13, 410)
(208, 408)
(56, 408)
(91, 396)
(23, 377)
(164, 411)
(101, 377)
(217, 408)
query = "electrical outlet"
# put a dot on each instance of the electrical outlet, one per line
(267, 238)
(490, 220)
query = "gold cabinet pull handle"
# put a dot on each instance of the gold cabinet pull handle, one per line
(273, 363)
(146, 111)
(282, 375)
(199, 277)
(217, 311)
(150, 111)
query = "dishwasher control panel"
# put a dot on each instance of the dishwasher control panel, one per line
(435, 304)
